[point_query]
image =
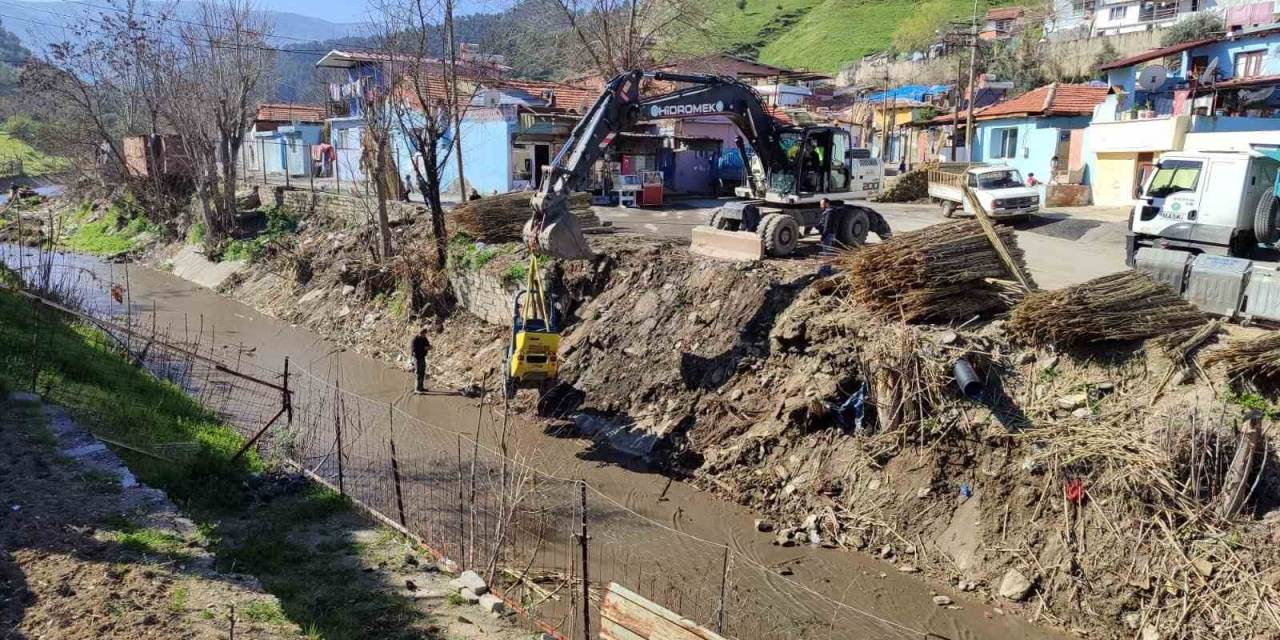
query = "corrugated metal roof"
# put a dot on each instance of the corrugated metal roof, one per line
(290, 113)
(1154, 54)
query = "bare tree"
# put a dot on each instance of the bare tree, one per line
(215, 82)
(427, 102)
(616, 36)
(102, 83)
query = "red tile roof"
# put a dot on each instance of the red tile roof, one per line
(1154, 54)
(1004, 13)
(290, 113)
(1050, 100)
(562, 96)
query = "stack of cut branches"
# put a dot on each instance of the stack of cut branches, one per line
(943, 272)
(1249, 357)
(1121, 306)
(501, 218)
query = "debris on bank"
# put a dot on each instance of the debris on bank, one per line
(501, 218)
(1074, 487)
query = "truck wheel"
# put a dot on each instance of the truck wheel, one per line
(718, 221)
(852, 228)
(948, 208)
(1264, 219)
(780, 233)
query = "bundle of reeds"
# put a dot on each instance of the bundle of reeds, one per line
(1121, 306)
(1249, 357)
(943, 272)
(501, 218)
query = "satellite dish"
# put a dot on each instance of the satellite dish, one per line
(1153, 77)
(1255, 96)
(1210, 72)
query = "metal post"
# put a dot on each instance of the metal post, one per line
(395, 464)
(724, 585)
(311, 170)
(973, 63)
(337, 429)
(462, 523)
(586, 583)
(285, 150)
(262, 159)
(288, 396)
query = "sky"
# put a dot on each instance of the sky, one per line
(355, 10)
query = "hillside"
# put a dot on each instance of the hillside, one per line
(824, 35)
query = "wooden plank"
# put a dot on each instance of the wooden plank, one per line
(626, 615)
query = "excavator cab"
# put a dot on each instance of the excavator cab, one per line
(533, 360)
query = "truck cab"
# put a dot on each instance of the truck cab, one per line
(1201, 202)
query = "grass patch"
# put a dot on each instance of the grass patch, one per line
(264, 611)
(178, 599)
(116, 231)
(822, 35)
(16, 154)
(466, 254)
(280, 223)
(154, 542)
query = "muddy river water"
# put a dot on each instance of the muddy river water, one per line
(829, 593)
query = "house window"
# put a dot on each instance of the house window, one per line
(1004, 143)
(1248, 64)
(1117, 13)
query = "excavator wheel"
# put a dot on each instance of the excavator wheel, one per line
(852, 228)
(779, 233)
(1266, 226)
(718, 221)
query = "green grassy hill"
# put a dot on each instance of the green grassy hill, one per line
(825, 35)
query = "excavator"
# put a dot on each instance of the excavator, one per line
(792, 168)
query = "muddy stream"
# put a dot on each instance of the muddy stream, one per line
(896, 605)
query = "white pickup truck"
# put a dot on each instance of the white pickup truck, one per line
(999, 188)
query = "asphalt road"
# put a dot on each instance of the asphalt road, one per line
(1062, 247)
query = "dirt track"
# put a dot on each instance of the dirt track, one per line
(1062, 249)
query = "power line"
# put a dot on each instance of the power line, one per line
(210, 41)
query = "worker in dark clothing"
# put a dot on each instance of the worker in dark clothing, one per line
(419, 348)
(827, 224)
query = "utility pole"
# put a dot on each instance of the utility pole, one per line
(454, 95)
(973, 64)
(884, 123)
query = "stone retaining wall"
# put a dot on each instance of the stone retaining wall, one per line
(484, 295)
(351, 208)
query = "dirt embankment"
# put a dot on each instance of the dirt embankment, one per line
(1082, 489)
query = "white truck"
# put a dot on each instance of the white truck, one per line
(999, 188)
(1206, 223)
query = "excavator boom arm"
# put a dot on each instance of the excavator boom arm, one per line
(552, 229)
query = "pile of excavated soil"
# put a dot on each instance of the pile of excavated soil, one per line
(1082, 488)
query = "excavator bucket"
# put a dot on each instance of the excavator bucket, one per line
(560, 235)
(726, 245)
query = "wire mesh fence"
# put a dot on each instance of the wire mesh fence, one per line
(549, 545)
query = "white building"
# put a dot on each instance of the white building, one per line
(1072, 19)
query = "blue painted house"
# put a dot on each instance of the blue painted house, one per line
(1027, 132)
(1211, 94)
(282, 137)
